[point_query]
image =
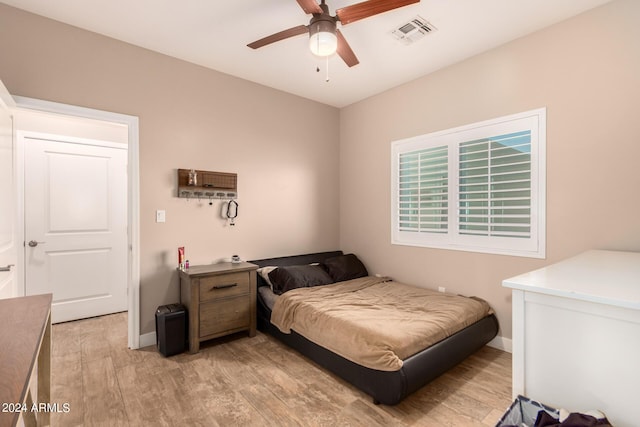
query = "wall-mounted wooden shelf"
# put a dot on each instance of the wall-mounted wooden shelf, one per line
(209, 185)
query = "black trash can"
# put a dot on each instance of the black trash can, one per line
(171, 329)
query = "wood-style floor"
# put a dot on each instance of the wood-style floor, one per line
(248, 381)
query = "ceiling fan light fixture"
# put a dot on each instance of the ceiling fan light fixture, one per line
(322, 38)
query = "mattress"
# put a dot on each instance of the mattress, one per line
(375, 322)
(268, 297)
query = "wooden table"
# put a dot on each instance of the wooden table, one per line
(25, 346)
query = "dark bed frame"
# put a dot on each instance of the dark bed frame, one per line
(385, 387)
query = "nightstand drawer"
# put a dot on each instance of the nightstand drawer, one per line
(230, 314)
(225, 285)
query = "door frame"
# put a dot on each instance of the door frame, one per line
(133, 196)
(8, 104)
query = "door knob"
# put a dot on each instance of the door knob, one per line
(33, 243)
(7, 268)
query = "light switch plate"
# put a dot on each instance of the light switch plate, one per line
(161, 216)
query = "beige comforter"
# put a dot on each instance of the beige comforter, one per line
(375, 322)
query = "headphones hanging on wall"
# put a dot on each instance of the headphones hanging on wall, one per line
(231, 211)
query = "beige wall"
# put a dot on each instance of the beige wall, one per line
(191, 117)
(586, 71)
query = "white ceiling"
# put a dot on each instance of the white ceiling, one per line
(214, 34)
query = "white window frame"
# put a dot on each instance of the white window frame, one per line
(534, 246)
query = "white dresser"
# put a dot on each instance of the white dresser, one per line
(576, 334)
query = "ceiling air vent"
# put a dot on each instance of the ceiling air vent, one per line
(413, 30)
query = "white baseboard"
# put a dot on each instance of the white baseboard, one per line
(147, 339)
(501, 343)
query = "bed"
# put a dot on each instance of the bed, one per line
(388, 383)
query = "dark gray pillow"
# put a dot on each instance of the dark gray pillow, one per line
(284, 279)
(345, 267)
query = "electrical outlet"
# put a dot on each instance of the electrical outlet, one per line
(441, 289)
(161, 216)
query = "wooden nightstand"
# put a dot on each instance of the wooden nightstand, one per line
(221, 300)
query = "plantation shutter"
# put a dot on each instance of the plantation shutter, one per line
(478, 187)
(424, 191)
(495, 186)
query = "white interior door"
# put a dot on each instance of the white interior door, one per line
(8, 247)
(76, 224)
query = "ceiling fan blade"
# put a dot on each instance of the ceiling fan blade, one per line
(291, 32)
(345, 52)
(365, 9)
(309, 6)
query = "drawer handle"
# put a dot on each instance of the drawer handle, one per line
(230, 285)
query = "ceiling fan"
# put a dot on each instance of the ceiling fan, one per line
(324, 38)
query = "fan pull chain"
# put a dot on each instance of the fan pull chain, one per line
(327, 71)
(327, 78)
